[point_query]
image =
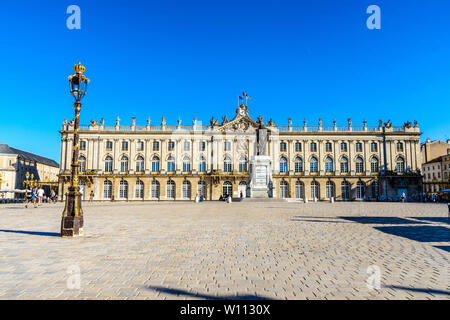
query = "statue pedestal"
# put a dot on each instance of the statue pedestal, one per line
(260, 176)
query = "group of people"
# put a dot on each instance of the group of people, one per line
(37, 196)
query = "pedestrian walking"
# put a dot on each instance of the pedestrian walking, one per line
(40, 194)
(34, 196)
(28, 198)
(52, 196)
(403, 197)
(91, 196)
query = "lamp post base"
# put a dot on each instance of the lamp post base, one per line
(71, 226)
(72, 220)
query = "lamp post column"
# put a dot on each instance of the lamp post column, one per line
(72, 218)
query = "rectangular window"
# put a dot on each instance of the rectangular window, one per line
(140, 146)
(358, 147)
(343, 147)
(374, 147)
(328, 147)
(298, 147)
(109, 145)
(171, 145)
(187, 146)
(227, 146)
(155, 146)
(202, 145)
(313, 147)
(124, 145)
(83, 145)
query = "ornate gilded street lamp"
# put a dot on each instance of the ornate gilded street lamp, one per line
(72, 217)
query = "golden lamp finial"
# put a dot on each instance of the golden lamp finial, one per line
(79, 68)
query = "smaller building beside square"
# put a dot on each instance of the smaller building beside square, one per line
(14, 165)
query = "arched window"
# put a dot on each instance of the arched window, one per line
(345, 190)
(359, 165)
(284, 189)
(283, 164)
(124, 164)
(242, 189)
(186, 164)
(299, 190)
(107, 189)
(227, 166)
(201, 189)
(170, 189)
(139, 190)
(202, 164)
(330, 189)
(154, 193)
(400, 165)
(186, 189)
(243, 164)
(140, 164)
(227, 189)
(123, 189)
(298, 164)
(329, 165)
(283, 146)
(108, 164)
(374, 164)
(360, 190)
(314, 165)
(171, 164)
(315, 190)
(344, 165)
(155, 164)
(82, 164)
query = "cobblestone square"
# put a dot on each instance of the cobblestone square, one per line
(214, 250)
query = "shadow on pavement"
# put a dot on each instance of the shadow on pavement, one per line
(445, 248)
(327, 221)
(419, 233)
(381, 220)
(34, 233)
(423, 290)
(179, 292)
(433, 219)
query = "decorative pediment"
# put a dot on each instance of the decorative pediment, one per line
(241, 122)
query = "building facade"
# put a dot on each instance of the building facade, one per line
(14, 165)
(162, 162)
(436, 174)
(433, 149)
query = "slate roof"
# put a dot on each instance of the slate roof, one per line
(5, 149)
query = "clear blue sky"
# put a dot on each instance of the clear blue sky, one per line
(299, 59)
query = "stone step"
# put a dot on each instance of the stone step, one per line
(259, 200)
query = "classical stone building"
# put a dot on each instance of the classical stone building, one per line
(163, 162)
(15, 163)
(436, 174)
